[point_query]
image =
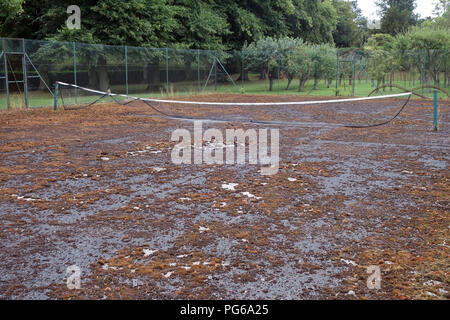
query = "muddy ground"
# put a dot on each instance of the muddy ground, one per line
(97, 188)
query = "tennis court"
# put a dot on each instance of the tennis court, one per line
(96, 188)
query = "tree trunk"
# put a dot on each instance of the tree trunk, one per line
(330, 81)
(289, 83)
(245, 76)
(102, 73)
(262, 75)
(270, 84)
(153, 77)
(316, 83)
(437, 80)
(302, 84)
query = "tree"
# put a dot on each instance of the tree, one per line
(323, 63)
(300, 65)
(9, 11)
(262, 56)
(346, 33)
(313, 20)
(429, 47)
(382, 61)
(397, 15)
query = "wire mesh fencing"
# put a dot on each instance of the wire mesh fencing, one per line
(30, 68)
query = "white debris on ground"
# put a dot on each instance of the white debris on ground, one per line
(168, 274)
(105, 159)
(203, 229)
(185, 199)
(159, 169)
(349, 262)
(292, 179)
(24, 198)
(249, 195)
(230, 186)
(149, 252)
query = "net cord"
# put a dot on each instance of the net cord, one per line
(287, 103)
(149, 101)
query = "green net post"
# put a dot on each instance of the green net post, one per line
(435, 112)
(55, 97)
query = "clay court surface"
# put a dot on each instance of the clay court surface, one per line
(97, 188)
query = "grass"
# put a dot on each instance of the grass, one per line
(362, 88)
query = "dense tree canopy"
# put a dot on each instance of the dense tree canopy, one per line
(397, 15)
(202, 24)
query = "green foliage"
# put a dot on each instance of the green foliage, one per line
(346, 34)
(397, 15)
(323, 62)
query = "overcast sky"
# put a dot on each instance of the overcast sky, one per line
(424, 8)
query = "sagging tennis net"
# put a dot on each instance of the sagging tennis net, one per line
(386, 107)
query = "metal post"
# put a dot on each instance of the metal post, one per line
(354, 77)
(5, 61)
(424, 69)
(25, 75)
(167, 71)
(278, 75)
(215, 71)
(243, 74)
(126, 70)
(75, 69)
(55, 97)
(337, 71)
(436, 113)
(198, 70)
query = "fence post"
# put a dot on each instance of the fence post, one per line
(436, 114)
(126, 70)
(5, 61)
(243, 73)
(424, 69)
(353, 77)
(337, 72)
(55, 97)
(278, 74)
(75, 69)
(25, 75)
(215, 71)
(198, 70)
(167, 71)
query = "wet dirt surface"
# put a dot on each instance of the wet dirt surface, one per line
(97, 188)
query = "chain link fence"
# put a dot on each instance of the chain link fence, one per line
(29, 69)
